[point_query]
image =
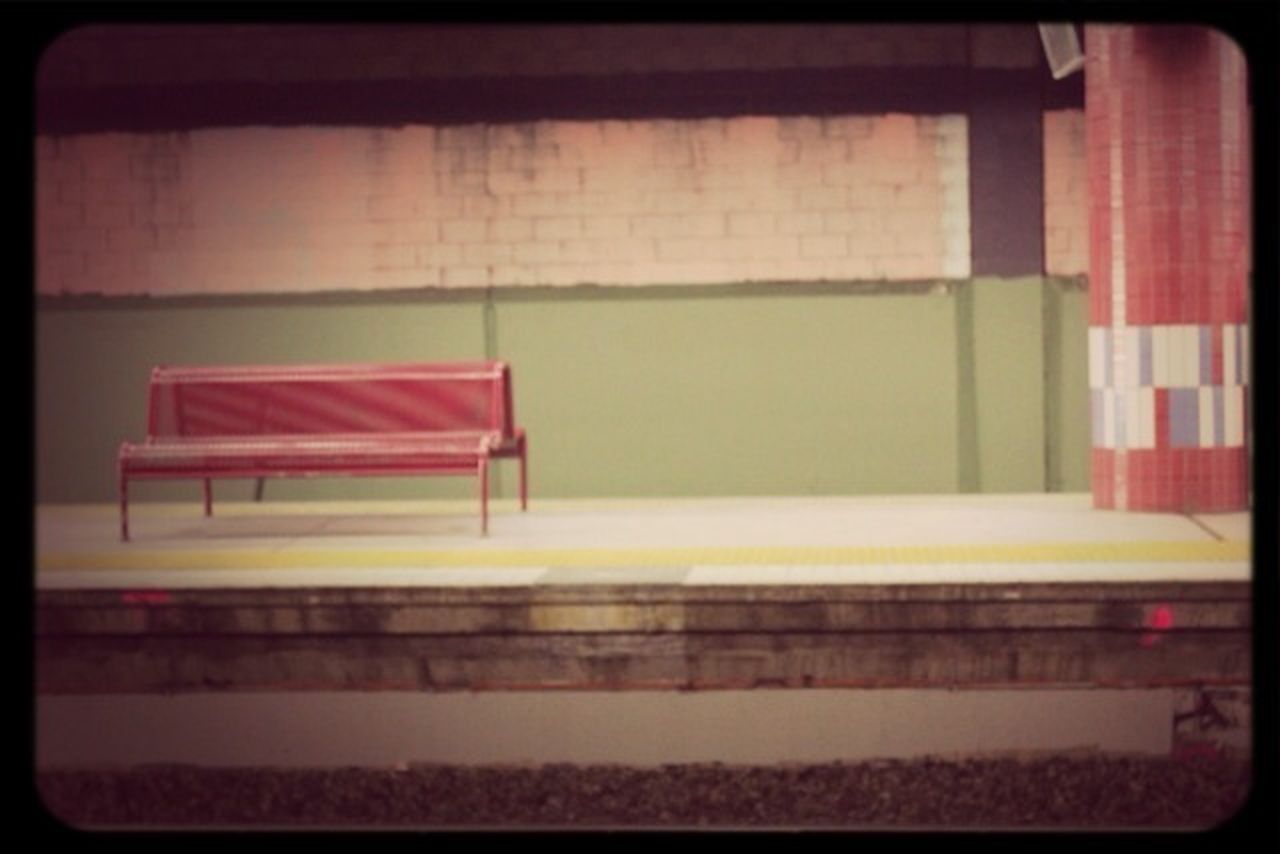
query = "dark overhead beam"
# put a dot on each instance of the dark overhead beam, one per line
(513, 99)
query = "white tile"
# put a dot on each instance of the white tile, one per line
(1244, 354)
(1132, 418)
(1191, 355)
(956, 267)
(1179, 344)
(1117, 308)
(1119, 365)
(1160, 356)
(1206, 417)
(1116, 355)
(1132, 358)
(1233, 420)
(1117, 174)
(1118, 282)
(1097, 373)
(1146, 418)
(953, 154)
(1172, 355)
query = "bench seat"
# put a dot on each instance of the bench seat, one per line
(260, 421)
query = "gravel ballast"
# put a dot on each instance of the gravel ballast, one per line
(1055, 792)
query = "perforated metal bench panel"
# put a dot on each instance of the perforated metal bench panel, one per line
(318, 399)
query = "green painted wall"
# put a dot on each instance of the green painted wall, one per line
(1066, 317)
(1009, 385)
(92, 365)
(761, 390)
(755, 395)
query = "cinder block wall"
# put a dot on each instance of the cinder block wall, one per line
(1066, 189)
(261, 210)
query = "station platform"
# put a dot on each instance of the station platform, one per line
(633, 631)
(972, 539)
(688, 593)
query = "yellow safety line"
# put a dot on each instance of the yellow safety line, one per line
(180, 559)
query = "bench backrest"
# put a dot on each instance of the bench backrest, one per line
(264, 400)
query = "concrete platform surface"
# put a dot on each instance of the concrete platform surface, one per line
(969, 539)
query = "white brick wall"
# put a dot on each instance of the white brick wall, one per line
(1066, 188)
(953, 170)
(545, 203)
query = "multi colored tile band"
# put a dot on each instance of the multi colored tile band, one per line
(1190, 388)
(1169, 407)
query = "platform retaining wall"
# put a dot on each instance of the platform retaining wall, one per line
(642, 676)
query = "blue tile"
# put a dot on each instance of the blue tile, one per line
(1184, 417)
(1206, 356)
(1237, 331)
(1219, 418)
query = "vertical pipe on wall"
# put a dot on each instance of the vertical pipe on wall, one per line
(1050, 310)
(490, 325)
(968, 462)
(490, 321)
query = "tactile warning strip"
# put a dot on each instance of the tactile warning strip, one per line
(1076, 552)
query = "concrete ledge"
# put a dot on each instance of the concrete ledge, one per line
(647, 609)
(628, 637)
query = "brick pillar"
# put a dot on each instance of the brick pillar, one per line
(1166, 114)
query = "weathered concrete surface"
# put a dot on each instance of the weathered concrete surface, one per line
(656, 636)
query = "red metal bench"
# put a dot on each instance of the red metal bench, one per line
(260, 421)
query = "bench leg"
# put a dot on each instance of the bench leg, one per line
(124, 509)
(524, 474)
(208, 497)
(484, 495)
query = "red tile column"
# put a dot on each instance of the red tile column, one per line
(1166, 130)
